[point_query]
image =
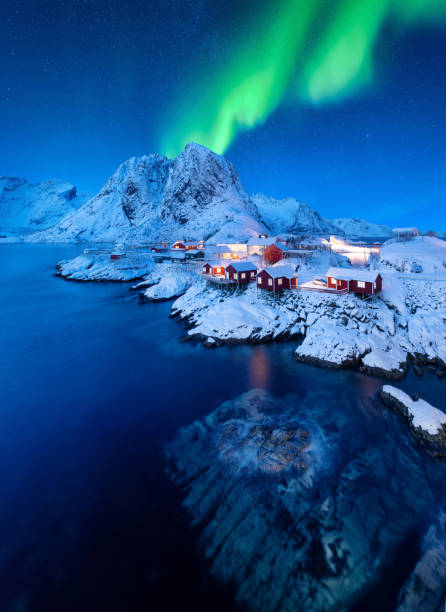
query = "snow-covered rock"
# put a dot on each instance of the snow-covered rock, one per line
(427, 423)
(26, 207)
(102, 268)
(168, 281)
(290, 216)
(421, 254)
(376, 336)
(196, 195)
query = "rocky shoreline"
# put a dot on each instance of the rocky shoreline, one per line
(427, 424)
(381, 337)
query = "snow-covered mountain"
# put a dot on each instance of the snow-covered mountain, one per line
(26, 207)
(358, 228)
(196, 195)
(293, 217)
(290, 216)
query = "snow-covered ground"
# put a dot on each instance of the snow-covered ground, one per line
(422, 254)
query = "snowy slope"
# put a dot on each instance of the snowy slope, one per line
(357, 228)
(290, 216)
(26, 207)
(196, 195)
(421, 254)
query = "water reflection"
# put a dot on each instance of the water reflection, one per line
(260, 368)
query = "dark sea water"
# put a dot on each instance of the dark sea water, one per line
(92, 386)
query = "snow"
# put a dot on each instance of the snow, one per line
(289, 216)
(353, 274)
(423, 415)
(357, 228)
(243, 266)
(197, 195)
(340, 331)
(26, 207)
(281, 271)
(102, 268)
(170, 281)
(421, 254)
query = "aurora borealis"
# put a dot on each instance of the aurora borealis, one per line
(339, 103)
(314, 51)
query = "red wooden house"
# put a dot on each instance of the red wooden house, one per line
(365, 282)
(215, 268)
(277, 278)
(241, 271)
(273, 253)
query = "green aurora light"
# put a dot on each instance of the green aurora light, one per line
(315, 51)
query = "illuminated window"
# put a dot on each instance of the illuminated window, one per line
(280, 281)
(243, 275)
(235, 275)
(252, 273)
(259, 281)
(361, 284)
(270, 282)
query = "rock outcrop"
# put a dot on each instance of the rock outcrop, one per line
(427, 423)
(282, 491)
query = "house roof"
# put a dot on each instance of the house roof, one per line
(260, 241)
(405, 230)
(243, 266)
(348, 274)
(217, 263)
(218, 249)
(282, 271)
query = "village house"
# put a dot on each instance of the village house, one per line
(185, 245)
(241, 271)
(277, 278)
(220, 252)
(405, 233)
(215, 268)
(277, 251)
(118, 251)
(354, 280)
(274, 253)
(257, 245)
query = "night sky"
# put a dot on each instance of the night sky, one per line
(86, 84)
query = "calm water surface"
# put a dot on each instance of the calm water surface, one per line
(92, 386)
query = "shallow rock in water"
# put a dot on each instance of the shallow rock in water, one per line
(296, 507)
(425, 588)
